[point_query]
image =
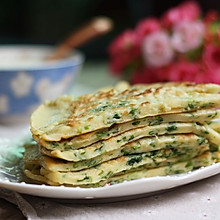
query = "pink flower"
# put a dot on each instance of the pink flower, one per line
(123, 50)
(183, 71)
(211, 57)
(188, 11)
(171, 17)
(151, 75)
(188, 71)
(145, 75)
(188, 35)
(146, 27)
(163, 73)
(214, 76)
(178, 47)
(157, 50)
(123, 42)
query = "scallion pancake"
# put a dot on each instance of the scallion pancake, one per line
(112, 167)
(203, 160)
(117, 142)
(84, 140)
(68, 117)
(139, 146)
(183, 167)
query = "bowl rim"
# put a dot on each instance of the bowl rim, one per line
(76, 58)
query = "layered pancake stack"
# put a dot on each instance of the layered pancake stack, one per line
(111, 136)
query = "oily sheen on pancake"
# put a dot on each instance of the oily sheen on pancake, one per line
(92, 137)
(67, 117)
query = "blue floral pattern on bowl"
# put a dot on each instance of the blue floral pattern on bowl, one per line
(22, 90)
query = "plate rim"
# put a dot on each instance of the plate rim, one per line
(139, 186)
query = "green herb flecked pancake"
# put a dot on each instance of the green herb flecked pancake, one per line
(95, 136)
(124, 133)
(112, 167)
(173, 168)
(33, 156)
(117, 142)
(68, 117)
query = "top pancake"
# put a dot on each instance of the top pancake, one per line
(69, 116)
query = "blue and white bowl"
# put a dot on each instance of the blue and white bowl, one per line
(28, 79)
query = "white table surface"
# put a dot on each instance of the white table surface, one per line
(200, 200)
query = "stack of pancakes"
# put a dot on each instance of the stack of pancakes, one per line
(111, 136)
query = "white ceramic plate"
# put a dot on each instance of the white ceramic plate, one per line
(10, 153)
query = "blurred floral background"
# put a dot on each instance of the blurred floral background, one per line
(181, 45)
(148, 38)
